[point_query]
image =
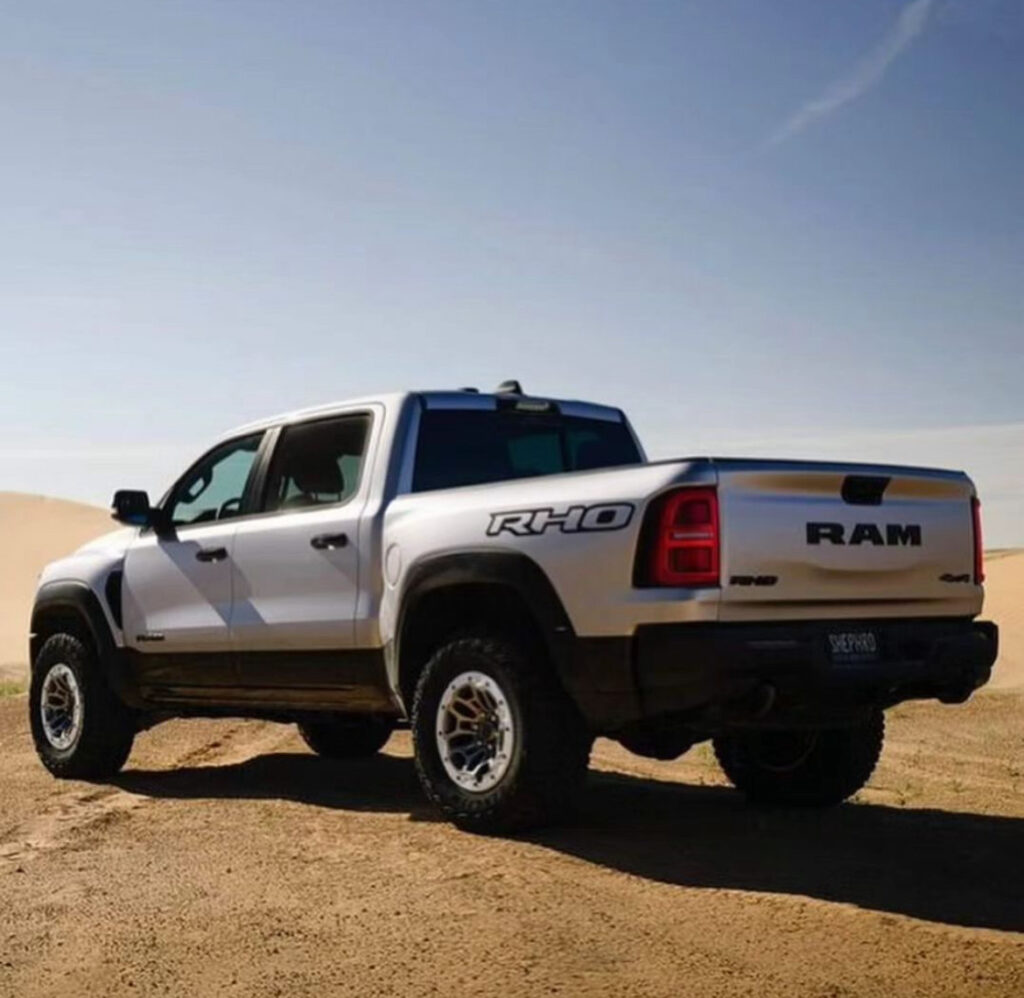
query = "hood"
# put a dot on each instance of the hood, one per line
(92, 562)
(114, 542)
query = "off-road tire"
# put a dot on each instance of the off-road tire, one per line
(651, 741)
(551, 748)
(833, 766)
(107, 727)
(353, 737)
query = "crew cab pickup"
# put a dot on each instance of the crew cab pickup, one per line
(510, 577)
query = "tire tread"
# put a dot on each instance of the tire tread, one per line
(108, 727)
(554, 757)
(840, 764)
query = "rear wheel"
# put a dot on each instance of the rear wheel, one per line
(808, 768)
(80, 728)
(499, 745)
(353, 737)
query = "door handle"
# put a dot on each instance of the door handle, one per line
(211, 554)
(329, 542)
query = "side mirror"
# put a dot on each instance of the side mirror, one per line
(132, 507)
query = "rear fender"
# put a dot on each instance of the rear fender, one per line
(486, 568)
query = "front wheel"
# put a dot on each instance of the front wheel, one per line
(351, 737)
(80, 728)
(499, 745)
(802, 768)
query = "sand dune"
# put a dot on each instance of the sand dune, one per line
(1004, 603)
(33, 531)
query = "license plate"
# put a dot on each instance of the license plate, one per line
(853, 646)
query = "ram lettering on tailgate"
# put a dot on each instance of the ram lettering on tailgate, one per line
(894, 535)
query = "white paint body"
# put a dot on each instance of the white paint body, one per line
(274, 592)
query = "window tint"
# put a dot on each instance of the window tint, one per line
(318, 463)
(214, 488)
(460, 447)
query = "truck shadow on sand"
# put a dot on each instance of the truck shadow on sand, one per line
(955, 868)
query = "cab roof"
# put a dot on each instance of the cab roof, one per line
(436, 399)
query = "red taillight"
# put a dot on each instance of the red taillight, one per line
(979, 549)
(683, 539)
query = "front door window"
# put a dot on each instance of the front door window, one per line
(215, 487)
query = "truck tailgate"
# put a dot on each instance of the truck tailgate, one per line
(802, 539)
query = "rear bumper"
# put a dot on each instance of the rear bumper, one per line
(783, 673)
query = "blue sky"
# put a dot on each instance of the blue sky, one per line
(792, 227)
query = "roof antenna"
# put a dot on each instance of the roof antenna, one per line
(510, 387)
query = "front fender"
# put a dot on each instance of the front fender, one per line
(55, 603)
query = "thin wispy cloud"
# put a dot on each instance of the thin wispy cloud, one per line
(865, 75)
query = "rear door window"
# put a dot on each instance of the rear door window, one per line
(318, 463)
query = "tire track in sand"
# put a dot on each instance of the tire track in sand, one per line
(78, 809)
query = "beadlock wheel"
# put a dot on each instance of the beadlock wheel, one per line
(475, 732)
(499, 747)
(80, 728)
(61, 707)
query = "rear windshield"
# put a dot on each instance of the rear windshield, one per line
(470, 447)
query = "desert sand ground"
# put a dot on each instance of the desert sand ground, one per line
(226, 859)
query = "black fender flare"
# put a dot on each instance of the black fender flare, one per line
(487, 567)
(597, 673)
(78, 598)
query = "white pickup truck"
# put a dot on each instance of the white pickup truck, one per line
(510, 577)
